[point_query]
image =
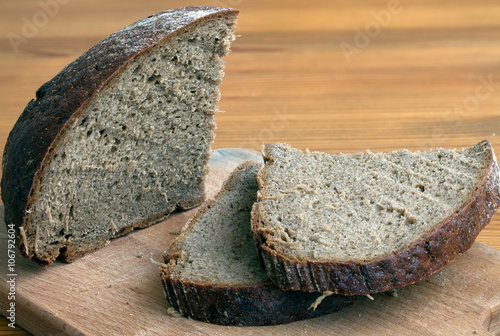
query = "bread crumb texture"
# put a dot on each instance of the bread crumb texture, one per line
(141, 146)
(346, 207)
(217, 246)
(213, 271)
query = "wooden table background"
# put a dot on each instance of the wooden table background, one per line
(332, 76)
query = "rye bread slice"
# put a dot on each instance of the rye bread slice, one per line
(120, 137)
(213, 273)
(365, 223)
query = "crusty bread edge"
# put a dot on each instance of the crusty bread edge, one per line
(256, 305)
(17, 194)
(453, 236)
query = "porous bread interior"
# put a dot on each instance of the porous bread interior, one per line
(218, 247)
(356, 207)
(139, 149)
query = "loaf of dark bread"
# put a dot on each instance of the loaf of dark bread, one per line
(213, 273)
(365, 223)
(120, 137)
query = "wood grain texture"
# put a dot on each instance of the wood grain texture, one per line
(429, 77)
(117, 291)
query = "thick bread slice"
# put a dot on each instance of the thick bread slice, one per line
(365, 223)
(120, 137)
(213, 273)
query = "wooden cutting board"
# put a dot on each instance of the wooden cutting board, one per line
(117, 291)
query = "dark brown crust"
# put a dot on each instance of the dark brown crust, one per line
(263, 304)
(58, 102)
(259, 305)
(453, 236)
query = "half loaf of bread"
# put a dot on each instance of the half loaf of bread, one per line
(365, 223)
(213, 273)
(120, 137)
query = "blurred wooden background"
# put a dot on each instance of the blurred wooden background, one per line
(332, 76)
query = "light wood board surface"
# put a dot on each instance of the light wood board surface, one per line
(117, 291)
(428, 76)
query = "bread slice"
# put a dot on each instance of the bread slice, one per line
(365, 223)
(213, 273)
(120, 137)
